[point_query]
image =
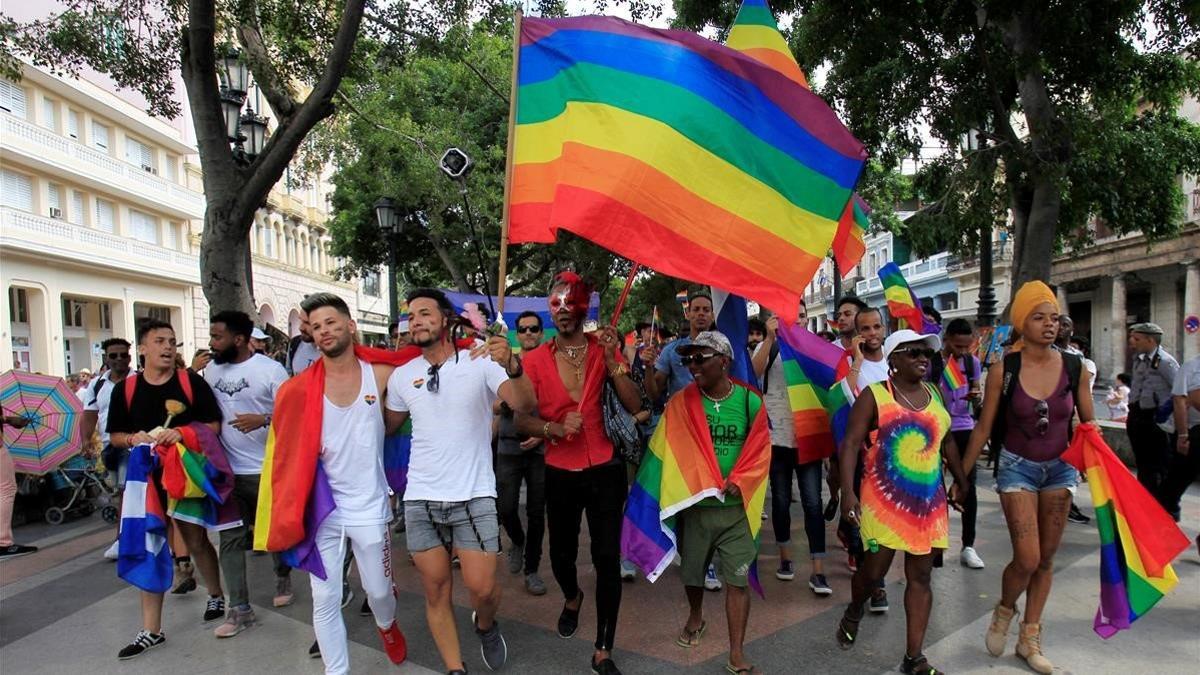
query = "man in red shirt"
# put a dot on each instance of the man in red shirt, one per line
(583, 473)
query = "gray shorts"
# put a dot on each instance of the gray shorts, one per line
(467, 526)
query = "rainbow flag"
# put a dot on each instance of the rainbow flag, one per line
(953, 377)
(514, 306)
(756, 34)
(198, 479)
(818, 394)
(678, 153)
(397, 449)
(902, 303)
(1138, 539)
(679, 470)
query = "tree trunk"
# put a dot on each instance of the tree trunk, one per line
(1036, 245)
(223, 264)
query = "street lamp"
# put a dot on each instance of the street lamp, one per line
(975, 141)
(391, 226)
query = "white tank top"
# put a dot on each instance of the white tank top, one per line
(352, 453)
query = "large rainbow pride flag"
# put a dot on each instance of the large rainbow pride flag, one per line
(818, 394)
(679, 153)
(680, 469)
(756, 34)
(1138, 539)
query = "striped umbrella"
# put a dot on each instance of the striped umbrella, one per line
(52, 435)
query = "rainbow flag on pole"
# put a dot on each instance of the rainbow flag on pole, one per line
(818, 393)
(679, 470)
(1138, 539)
(679, 153)
(902, 303)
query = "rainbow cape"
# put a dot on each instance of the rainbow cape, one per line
(198, 479)
(1138, 539)
(818, 393)
(953, 376)
(143, 554)
(902, 303)
(679, 153)
(285, 517)
(680, 469)
(756, 34)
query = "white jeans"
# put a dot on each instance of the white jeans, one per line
(373, 555)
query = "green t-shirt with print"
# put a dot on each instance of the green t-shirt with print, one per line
(728, 423)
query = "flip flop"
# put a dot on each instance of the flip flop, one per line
(688, 639)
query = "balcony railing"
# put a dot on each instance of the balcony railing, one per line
(148, 184)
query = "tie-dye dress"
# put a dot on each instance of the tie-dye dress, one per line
(903, 500)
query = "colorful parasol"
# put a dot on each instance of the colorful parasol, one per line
(52, 434)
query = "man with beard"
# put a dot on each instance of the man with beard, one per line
(302, 352)
(847, 309)
(584, 475)
(450, 500)
(245, 384)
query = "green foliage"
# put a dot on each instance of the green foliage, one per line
(649, 291)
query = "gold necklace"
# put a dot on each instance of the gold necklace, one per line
(718, 401)
(911, 405)
(576, 357)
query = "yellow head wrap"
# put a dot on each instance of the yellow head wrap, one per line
(1031, 294)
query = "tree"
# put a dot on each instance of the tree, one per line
(288, 46)
(1075, 103)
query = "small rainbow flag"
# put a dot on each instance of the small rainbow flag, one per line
(679, 153)
(680, 469)
(1138, 539)
(849, 243)
(902, 303)
(818, 394)
(953, 376)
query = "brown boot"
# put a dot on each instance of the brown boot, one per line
(997, 633)
(1029, 647)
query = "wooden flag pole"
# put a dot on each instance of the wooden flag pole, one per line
(502, 279)
(624, 294)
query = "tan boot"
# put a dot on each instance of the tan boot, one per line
(1029, 647)
(997, 633)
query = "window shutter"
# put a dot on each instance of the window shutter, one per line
(17, 191)
(12, 98)
(105, 216)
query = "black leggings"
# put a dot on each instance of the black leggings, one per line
(970, 506)
(600, 493)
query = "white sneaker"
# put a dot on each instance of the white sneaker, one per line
(711, 582)
(971, 559)
(628, 571)
(112, 552)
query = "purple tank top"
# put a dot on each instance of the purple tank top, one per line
(1037, 430)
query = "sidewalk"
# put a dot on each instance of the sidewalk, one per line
(63, 610)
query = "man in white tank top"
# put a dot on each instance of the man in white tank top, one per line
(450, 500)
(352, 430)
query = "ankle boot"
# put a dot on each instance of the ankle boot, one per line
(185, 579)
(997, 633)
(1029, 647)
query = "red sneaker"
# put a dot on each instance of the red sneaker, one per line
(394, 643)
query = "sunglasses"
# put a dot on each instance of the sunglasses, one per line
(917, 352)
(529, 329)
(118, 357)
(1043, 412)
(697, 359)
(432, 384)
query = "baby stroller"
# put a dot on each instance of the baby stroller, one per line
(77, 489)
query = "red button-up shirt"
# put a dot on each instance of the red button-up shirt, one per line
(592, 447)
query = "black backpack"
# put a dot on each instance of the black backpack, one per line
(1012, 371)
(770, 362)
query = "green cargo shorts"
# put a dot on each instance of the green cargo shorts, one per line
(705, 530)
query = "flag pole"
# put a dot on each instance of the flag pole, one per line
(501, 280)
(624, 294)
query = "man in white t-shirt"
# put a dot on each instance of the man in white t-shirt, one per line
(95, 414)
(868, 365)
(302, 351)
(450, 501)
(244, 384)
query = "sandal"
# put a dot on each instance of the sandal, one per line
(847, 631)
(691, 638)
(918, 665)
(748, 670)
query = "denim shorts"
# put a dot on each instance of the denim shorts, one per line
(467, 526)
(1017, 474)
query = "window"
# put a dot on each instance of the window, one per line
(105, 316)
(76, 214)
(137, 152)
(17, 191)
(172, 241)
(73, 313)
(54, 199)
(268, 241)
(73, 124)
(947, 301)
(12, 98)
(18, 305)
(106, 216)
(1196, 201)
(50, 114)
(159, 313)
(312, 257)
(370, 283)
(100, 136)
(145, 226)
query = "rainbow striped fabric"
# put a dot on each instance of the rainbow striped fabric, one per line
(818, 394)
(514, 306)
(678, 153)
(849, 243)
(198, 479)
(680, 469)
(953, 376)
(903, 304)
(1138, 539)
(397, 450)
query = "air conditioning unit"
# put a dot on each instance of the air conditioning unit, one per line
(56, 212)
(148, 169)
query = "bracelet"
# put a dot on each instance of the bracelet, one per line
(618, 371)
(546, 431)
(520, 368)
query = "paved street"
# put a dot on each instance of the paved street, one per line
(63, 610)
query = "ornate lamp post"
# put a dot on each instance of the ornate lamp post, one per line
(391, 225)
